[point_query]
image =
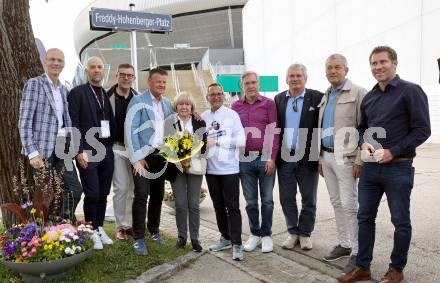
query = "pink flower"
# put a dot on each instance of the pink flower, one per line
(60, 228)
(34, 250)
(23, 244)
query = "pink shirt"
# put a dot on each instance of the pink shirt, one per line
(256, 117)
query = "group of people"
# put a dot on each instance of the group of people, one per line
(342, 134)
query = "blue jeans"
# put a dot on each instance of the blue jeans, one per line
(251, 175)
(396, 181)
(290, 176)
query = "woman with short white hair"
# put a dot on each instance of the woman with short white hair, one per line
(186, 186)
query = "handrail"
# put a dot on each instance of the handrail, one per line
(175, 79)
(195, 75)
(212, 72)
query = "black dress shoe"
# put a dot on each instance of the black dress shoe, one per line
(181, 243)
(196, 246)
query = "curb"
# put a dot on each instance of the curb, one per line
(163, 271)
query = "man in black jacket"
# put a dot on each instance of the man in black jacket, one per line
(297, 162)
(91, 114)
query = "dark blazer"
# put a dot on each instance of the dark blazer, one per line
(309, 120)
(83, 114)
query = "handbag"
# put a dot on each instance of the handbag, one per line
(197, 166)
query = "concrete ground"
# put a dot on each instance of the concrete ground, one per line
(424, 254)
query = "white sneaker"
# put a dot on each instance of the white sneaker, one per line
(105, 239)
(266, 244)
(305, 243)
(97, 244)
(290, 242)
(252, 243)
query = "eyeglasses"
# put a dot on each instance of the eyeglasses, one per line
(295, 105)
(124, 75)
(219, 94)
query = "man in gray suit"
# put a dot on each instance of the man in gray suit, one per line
(43, 117)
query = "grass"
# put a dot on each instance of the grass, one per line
(115, 263)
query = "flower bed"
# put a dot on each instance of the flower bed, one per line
(33, 243)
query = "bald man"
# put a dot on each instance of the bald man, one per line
(92, 115)
(43, 117)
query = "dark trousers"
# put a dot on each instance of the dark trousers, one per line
(72, 186)
(291, 176)
(225, 194)
(154, 188)
(396, 181)
(96, 180)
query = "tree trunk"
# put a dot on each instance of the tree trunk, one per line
(19, 62)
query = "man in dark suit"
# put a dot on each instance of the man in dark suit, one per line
(91, 114)
(297, 162)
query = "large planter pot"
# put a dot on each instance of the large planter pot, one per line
(36, 272)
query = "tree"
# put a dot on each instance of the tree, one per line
(19, 62)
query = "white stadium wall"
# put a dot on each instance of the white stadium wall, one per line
(278, 33)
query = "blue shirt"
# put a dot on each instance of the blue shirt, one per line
(402, 111)
(293, 117)
(329, 114)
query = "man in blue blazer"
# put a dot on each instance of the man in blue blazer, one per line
(297, 162)
(144, 128)
(43, 118)
(92, 115)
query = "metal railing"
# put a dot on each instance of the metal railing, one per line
(175, 79)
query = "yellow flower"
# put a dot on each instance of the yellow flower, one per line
(44, 238)
(33, 210)
(46, 247)
(57, 243)
(17, 260)
(50, 246)
(187, 144)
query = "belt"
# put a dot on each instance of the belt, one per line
(119, 143)
(400, 159)
(253, 153)
(328, 149)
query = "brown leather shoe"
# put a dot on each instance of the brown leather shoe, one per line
(392, 276)
(358, 274)
(121, 236)
(129, 232)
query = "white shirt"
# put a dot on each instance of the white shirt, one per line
(186, 127)
(158, 122)
(223, 158)
(59, 105)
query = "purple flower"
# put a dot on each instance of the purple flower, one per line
(28, 232)
(8, 248)
(14, 230)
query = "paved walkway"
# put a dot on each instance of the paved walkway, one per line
(256, 267)
(299, 266)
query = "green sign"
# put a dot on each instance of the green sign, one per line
(118, 46)
(232, 83)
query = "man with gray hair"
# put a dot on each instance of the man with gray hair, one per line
(297, 162)
(91, 114)
(258, 114)
(339, 116)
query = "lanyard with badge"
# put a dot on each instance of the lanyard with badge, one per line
(105, 124)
